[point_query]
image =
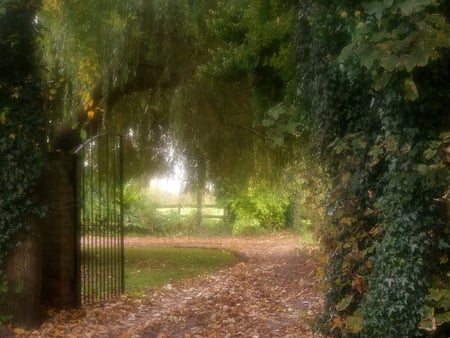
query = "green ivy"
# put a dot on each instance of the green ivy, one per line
(375, 107)
(21, 122)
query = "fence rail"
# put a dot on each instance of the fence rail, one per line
(208, 211)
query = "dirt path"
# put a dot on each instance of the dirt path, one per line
(270, 293)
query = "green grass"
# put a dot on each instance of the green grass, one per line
(152, 267)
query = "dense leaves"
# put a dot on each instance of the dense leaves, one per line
(162, 74)
(377, 107)
(21, 121)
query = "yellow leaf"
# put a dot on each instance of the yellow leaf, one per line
(18, 331)
(354, 323)
(337, 323)
(346, 221)
(410, 91)
(90, 114)
(359, 283)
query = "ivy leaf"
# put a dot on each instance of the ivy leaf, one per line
(427, 318)
(354, 323)
(429, 153)
(422, 168)
(445, 136)
(418, 58)
(442, 318)
(382, 81)
(346, 53)
(441, 297)
(359, 143)
(375, 8)
(410, 90)
(390, 62)
(3, 113)
(409, 7)
(344, 303)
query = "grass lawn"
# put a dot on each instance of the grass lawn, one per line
(147, 267)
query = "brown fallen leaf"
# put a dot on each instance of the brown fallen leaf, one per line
(270, 293)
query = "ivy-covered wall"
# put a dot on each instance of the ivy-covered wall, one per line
(375, 80)
(21, 123)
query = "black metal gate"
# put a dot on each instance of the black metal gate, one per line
(100, 253)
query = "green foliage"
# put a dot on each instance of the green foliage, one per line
(257, 210)
(140, 215)
(375, 107)
(143, 217)
(21, 128)
(392, 37)
(257, 42)
(21, 122)
(247, 227)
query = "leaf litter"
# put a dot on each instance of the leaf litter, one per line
(271, 292)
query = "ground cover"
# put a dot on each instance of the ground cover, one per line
(271, 292)
(147, 267)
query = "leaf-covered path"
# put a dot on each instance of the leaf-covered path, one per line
(270, 293)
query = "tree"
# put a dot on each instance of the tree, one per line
(141, 67)
(22, 144)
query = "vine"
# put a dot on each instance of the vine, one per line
(21, 123)
(370, 90)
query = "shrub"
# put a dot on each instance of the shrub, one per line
(259, 209)
(247, 226)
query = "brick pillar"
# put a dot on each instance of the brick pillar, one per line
(57, 190)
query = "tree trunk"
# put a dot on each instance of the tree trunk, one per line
(23, 272)
(201, 178)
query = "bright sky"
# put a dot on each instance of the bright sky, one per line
(167, 184)
(172, 183)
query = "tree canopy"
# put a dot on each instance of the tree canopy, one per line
(154, 71)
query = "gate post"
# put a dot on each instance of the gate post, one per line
(58, 192)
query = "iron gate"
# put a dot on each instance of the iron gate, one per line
(100, 252)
